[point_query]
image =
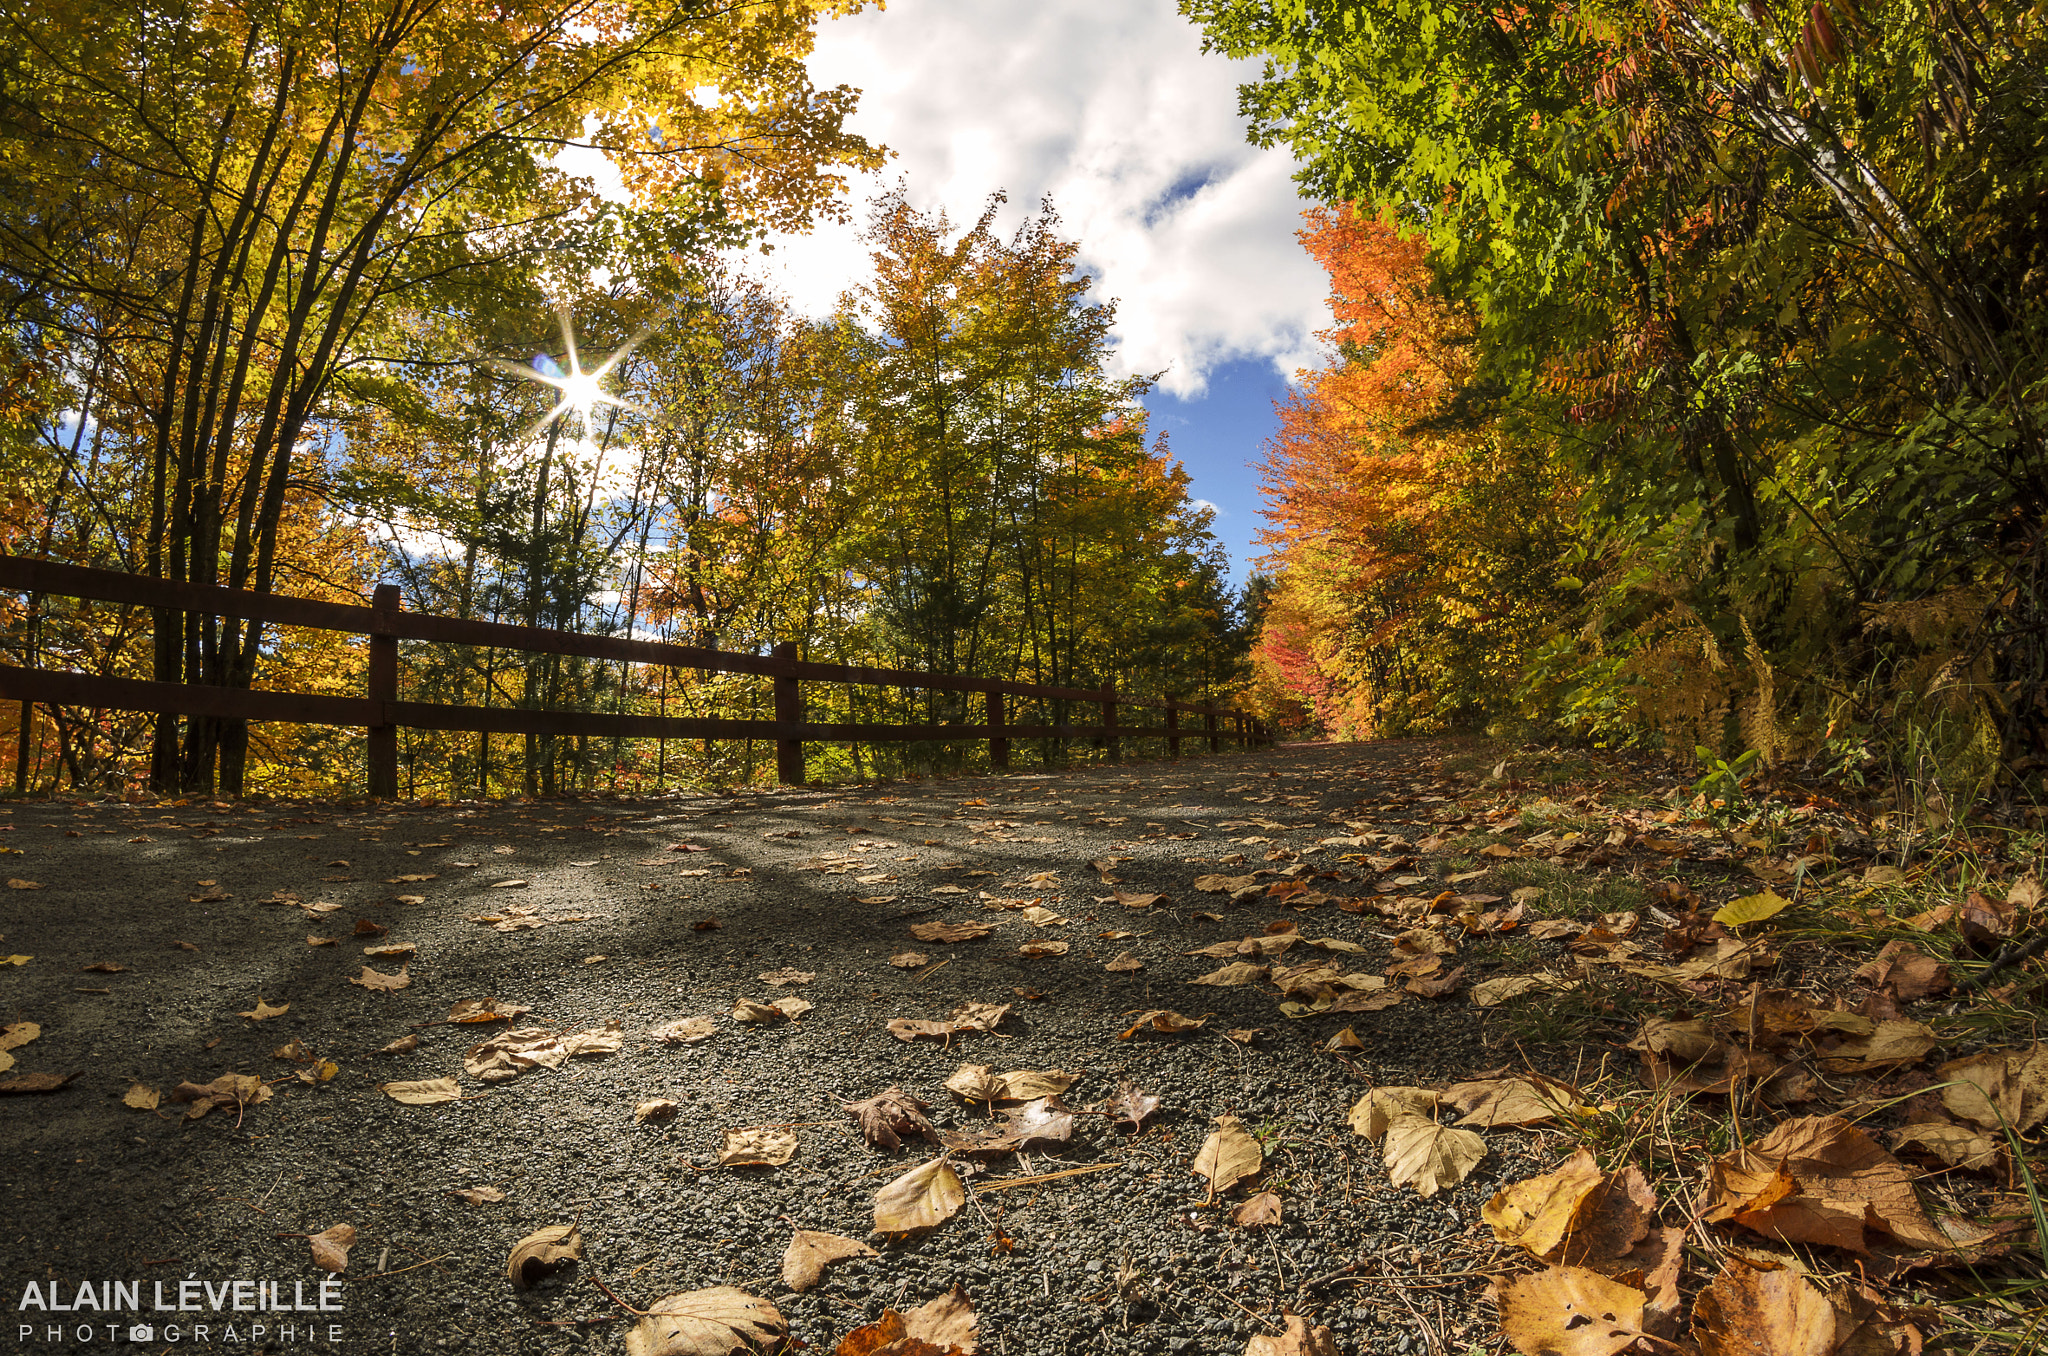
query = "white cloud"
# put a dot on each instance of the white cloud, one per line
(1111, 108)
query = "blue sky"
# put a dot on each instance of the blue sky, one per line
(1113, 110)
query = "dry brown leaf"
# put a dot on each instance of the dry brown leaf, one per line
(944, 1327)
(810, 1252)
(1036, 950)
(1748, 1311)
(656, 1111)
(767, 1146)
(1897, 1041)
(1508, 1101)
(1569, 1311)
(1129, 1108)
(483, 1195)
(542, 1253)
(45, 1082)
(1297, 1338)
(1163, 1019)
(423, 1092)
(509, 1054)
(597, 1040)
(1685, 1041)
(912, 1028)
(909, 960)
(785, 976)
(374, 979)
(1494, 992)
(1959, 1146)
(1538, 1213)
(404, 1045)
(747, 1010)
(688, 1030)
(719, 1321)
(1999, 1087)
(1260, 1212)
(142, 1098)
(923, 1198)
(1428, 1156)
(1230, 1155)
(948, 932)
(1124, 964)
(229, 1090)
(1232, 975)
(17, 1034)
(104, 968)
(263, 1011)
(330, 1247)
(475, 1010)
(974, 1083)
(1371, 1114)
(1819, 1179)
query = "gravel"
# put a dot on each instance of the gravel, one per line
(1132, 1259)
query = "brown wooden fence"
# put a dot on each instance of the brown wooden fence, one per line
(380, 712)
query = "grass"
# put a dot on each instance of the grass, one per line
(1568, 893)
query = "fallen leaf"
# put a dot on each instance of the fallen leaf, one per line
(17, 1034)
(1494, 992)
(15, 883)
(312, 940)
(785, 976)
(1232, 975)
(948, 932)
(543, 1253)
(944, 1327)
(1778, 1312)
(229, 1090)
(923, 1198)
(688, 1030)
(1570, 1311)
(40, 1082)
(1040, 949)
(509, 1054)
(381, 982)
(1129, 1107)
(423, 1092)
(391, 950)
(1898, 1041)
(1428, 1156)
(594, 1041)
(1296, 1338)
(763, 1147)
(658, 1111)
(909, 960)
(1124, 964)
(1163, 1019)
(1230, 1155)
(508, 885)
(366, 928)
(747, 1010)
(1508, 1101)
(1959, 1146)
(103, 968)
(142, 1098)
(1685, 1041)
(1999, 1088)
(265, 1011)
(1536, 1214)
(1371, 1114)
(889, 1115)
(1819, 1179)
(472, 1010)
(331, 1245)
(1260, 1212)
(483, 1195)
(810, 1252)
(404, 1045)
(1751, 909)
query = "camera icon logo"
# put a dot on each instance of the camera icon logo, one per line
(141, 1332)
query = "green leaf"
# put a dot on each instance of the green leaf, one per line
(1751, 909)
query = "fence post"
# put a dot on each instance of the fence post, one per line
(998, 744)
(1209, 727)
(789, 709)
(28, 718)
(382, 686)
(1109, 743)
(1172, 729)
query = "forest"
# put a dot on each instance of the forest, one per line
(1686, 386)
(298, 298)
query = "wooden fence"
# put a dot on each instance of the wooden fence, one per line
(380, 712)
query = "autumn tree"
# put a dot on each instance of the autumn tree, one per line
(214, 211)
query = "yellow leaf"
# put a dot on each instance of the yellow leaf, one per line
(1751, 909)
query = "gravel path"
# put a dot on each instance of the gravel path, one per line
(209, 908)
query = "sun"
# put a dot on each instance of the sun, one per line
(581, 392)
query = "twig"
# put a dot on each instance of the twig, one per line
(567, 1322)
(1009, 1182)
(637, 1313)
(417, 1265)
(935, 965)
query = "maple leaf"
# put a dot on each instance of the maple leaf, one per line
(889, 1115)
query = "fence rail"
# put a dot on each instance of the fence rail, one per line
(381, 714)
